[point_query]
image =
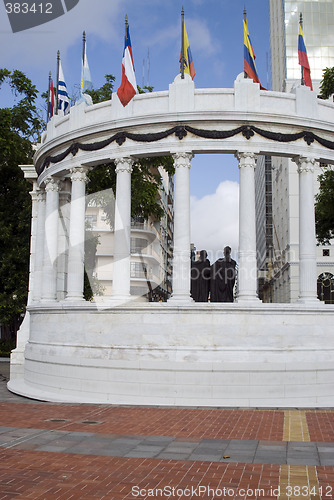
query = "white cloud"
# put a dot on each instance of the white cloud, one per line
(35, 45)
(215, 220)
(200, 37)
(199, 34)
(164, 36)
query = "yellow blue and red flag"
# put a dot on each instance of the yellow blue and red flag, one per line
(303, 59)
(249, 56)
(188, 59)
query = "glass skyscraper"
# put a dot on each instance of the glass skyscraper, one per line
(318, 28)
(276, 179)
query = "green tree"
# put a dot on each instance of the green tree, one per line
(327, 83)
(145, 178)
(324, 207)
(19, 126)
(104, 93)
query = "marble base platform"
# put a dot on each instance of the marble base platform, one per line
(220, 355)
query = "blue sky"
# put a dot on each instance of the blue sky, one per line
(215, 35)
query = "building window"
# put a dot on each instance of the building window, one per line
(138, 245)
(91, 221)
(326, 252)
(139, 270)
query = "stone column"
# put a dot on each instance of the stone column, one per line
(247, 274)
(34, 212)
(51, 240)
(17, 359)
(307, 238)
(76, 252)
(181, 252)
(63, 238)
(122, 230)
(39, 247)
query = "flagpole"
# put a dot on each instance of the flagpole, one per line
(83, 46)
(302, 80)
(182, 43)
(47, 109)
(245, 19)
(126, 27)
(58, 62)
(148, 68)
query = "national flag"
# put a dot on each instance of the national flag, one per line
(188, 60)
(249, 56)
(303, 59)
(86, 79)
(51, 100)
(63, 99)
(128, 88)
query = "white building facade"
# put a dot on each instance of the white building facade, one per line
(279, 273)
(150, 247)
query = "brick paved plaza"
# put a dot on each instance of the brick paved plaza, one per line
(58, 451)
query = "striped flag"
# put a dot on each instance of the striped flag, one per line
(303, 59)
(128, 88)
(188, 60)
(51, 100)
(249, 56)
(63, 99)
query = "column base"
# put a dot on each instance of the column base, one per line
(248, 299)
(74, 298)
(181, 299)
(116, 300)
(310, 301)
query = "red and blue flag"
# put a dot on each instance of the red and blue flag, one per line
(128, 88)
(52, 100)
(303, 59)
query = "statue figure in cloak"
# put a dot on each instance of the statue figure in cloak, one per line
(200, 278)
(223, 278)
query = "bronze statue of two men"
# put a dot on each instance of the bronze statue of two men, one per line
(216, 281)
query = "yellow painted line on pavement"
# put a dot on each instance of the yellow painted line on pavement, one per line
(295, 426)
(298, 481)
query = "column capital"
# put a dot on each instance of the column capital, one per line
(79, 173)
(41, 195)
(52, 184)
(182, 159)
(304, 164)
(34, 192)
(246, 159)
(124, 164)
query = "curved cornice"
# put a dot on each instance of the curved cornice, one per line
(190, 120)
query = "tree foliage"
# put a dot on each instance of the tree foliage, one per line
(327, 83)
(145, 182)
(19, 125)
(145, 178)
(324, 207)
(104, 93)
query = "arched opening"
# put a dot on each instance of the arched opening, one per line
(214, 211)
(325, 288)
